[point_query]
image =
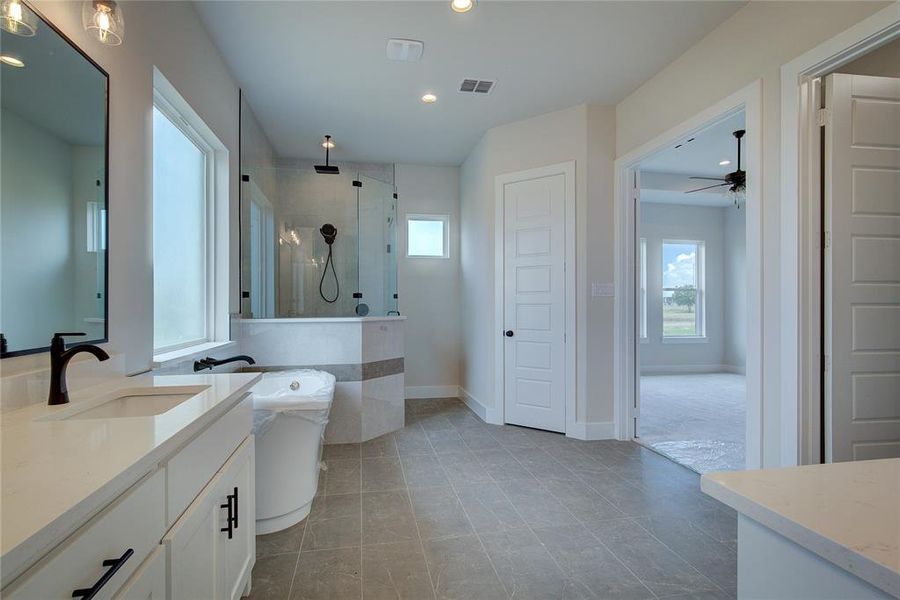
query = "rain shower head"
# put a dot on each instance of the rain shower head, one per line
(327, 169)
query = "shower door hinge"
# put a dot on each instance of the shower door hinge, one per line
(826, 364)
(357, 183)
(822, 117)
(395, 195)
(357, 294)
(245, 178)
(827, 240)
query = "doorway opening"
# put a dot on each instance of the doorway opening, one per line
(692, 310)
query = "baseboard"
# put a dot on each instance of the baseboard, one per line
(734, 369)
(486, 414)
(418, 392)
(682, 369)
(591, 430)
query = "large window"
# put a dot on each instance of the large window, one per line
(683, 289)
(427, 236)
(182, 224)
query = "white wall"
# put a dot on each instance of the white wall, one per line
(734, 352)
(170, 36)
(714, 68)
(675, 222)
(881, 62)
(430, 287)
(36, 235)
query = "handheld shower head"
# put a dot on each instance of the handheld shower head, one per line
(329, 232)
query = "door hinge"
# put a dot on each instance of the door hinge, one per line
(357, 183)
(826, 364)
(823, 117)
(827, 241)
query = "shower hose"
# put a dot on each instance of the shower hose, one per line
(329, 262)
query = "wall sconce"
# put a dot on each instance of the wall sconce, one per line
(103, 19)
(17, 18)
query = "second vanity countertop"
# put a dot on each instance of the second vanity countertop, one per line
(57, 473)
(847, 513)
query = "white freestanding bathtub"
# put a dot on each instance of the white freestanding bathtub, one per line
(290, 411)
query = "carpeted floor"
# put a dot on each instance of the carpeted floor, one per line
(697, 420)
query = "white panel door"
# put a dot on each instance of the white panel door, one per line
(862, 268)
(534, 303)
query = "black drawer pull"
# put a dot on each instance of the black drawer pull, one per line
(230, 520)
(236, 512)
(114, 565)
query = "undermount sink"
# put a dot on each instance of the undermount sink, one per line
(131, 402)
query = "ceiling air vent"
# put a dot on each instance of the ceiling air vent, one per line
(476, 86)
(405, 50)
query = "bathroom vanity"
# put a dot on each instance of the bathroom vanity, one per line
(142, 487)
(818, 531)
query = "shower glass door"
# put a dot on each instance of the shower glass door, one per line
(377, 226)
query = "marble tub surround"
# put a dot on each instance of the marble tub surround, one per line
(365, 354)
(846, 513)
(58, 473)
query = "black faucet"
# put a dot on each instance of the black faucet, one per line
(59, 360)
(209, 363)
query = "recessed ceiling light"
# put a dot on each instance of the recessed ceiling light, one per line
(12, 61)
(429, 98)
(462, 6)
(723, 163)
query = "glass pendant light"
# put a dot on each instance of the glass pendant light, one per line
(103, 19)
(17, 18)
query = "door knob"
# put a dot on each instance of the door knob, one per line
(509, 333)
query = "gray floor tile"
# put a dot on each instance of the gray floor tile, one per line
(719, 524)
(535, 504)
(501, 464)
(582, 501)
(387, 517)
(334, 507)
(541, 465)
(460, 569)
(438, 513)
(286, 540)
(333, 533)
(340, 451)
(478, 439)
(463, 467)
(380, 446)
(446, 440)
(379, 474)
(488, 508)
(344, 476)
(436, 423)
(512, 437)
(590, 565)
(412, 440)
(524, 565)
(395, 572)
(658, 567)
(328, 575)
(272, 577)
(423, 470)
(716, 560)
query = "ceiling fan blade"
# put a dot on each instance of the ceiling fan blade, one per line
(709, 178)
(707, 188)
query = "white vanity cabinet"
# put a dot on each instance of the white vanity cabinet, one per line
(185, 530)
(211, 548)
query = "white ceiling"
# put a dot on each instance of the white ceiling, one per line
(310, 68)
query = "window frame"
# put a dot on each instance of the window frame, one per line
(182, 123)
(445, 219)
(700, 285)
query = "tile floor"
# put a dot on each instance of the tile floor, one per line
(699, 420)
(450, 507)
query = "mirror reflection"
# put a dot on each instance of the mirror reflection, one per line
(53, 191)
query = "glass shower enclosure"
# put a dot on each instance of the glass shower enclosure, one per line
(318, 245)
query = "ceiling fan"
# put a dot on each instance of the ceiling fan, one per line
(736, 181)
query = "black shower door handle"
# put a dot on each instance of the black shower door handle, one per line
(509, 333)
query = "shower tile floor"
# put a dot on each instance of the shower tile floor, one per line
(697, 420)
(450, 507)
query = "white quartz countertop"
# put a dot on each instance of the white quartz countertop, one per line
(847, 513)
(56, 474)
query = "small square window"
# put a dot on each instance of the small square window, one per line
(427, 236)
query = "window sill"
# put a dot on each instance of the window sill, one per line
(698, 339)
(166, 358)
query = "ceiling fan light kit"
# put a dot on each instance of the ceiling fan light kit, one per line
(736, 181)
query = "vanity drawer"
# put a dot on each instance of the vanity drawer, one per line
(194, 466)
(134, 522)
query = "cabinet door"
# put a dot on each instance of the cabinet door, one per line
(191, 544)
(238, 553)
(149, 581)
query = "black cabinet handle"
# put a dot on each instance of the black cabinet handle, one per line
(230, 520)
(236, 512)
(114, 565)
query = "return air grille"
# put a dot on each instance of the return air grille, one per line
(476, 86)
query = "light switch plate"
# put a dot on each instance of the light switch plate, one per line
(603, 290)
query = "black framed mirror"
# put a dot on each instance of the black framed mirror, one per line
(54, 198)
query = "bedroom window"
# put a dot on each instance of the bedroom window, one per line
(683, 293)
